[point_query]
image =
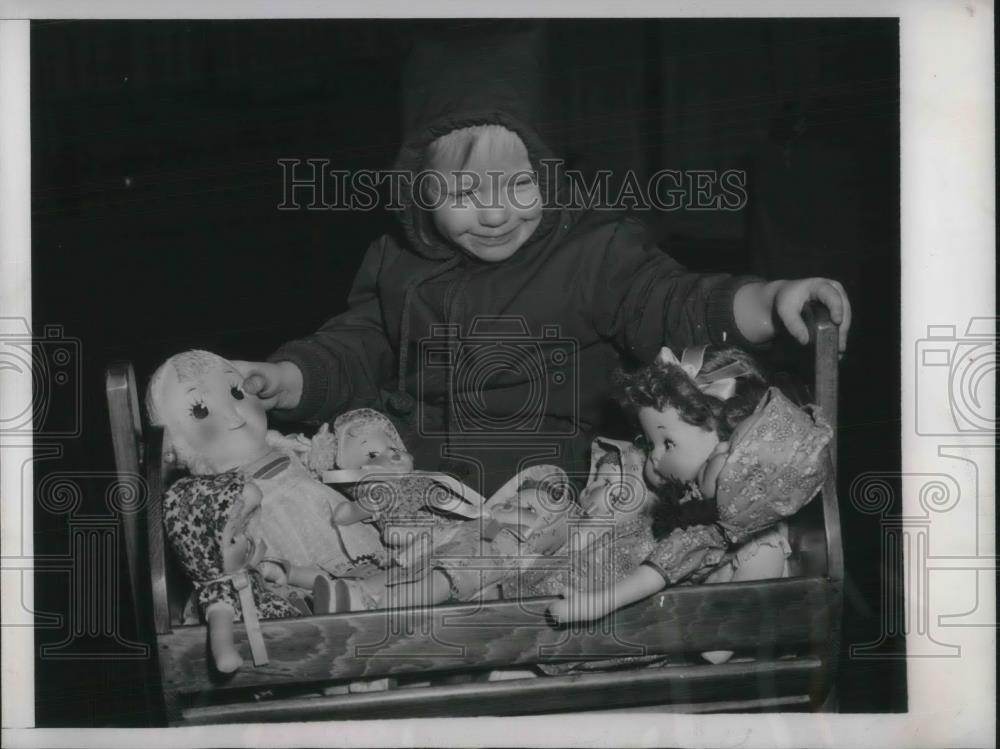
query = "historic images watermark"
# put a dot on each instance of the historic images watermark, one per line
(313, 184)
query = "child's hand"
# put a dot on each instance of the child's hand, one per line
(755, 303)
(277, 384)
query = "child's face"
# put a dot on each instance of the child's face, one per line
(676, 449)
(492, 221)
(214, 417)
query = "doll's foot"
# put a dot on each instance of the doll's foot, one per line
(228, 662)
(330, 596)
(337, 595)
(715, 657)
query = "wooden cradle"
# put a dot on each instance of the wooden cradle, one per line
(437, 658)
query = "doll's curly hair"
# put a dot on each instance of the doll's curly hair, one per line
(661, 386)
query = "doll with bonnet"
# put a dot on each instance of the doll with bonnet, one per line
(728, 458)
(213, 428)
(207, 529)
(432, 533)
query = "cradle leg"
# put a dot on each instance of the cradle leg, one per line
(172, 711)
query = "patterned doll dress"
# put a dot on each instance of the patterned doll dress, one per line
(195, 512)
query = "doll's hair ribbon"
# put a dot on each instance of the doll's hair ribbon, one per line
(720, 383)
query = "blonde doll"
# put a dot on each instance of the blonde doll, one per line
(211, 427)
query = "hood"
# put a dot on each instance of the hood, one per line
(462, 81)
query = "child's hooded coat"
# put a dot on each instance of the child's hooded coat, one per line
(593, 279)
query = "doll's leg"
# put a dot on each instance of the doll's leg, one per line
(303, 577)
(434, 588)
(763, 557)
(220, 637)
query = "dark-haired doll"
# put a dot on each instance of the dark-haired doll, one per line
(730, 458)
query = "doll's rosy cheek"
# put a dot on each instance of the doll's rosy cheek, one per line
(208, 431)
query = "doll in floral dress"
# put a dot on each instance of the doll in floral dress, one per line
(211, 427)
(728, 459)
(206, 521)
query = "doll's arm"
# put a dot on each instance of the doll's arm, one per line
(322, 450)
(281, 572)
(220, 637)
(349, 513)
(641, 583)
(303, 577)
(296, 443)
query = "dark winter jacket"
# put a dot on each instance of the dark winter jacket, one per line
(521, 375)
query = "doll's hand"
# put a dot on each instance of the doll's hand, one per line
(273, 572)
(348, 513)
(297, 443)
(277, 384)
(322, 450)
(523, 517)
(577, 607)
(755, 303)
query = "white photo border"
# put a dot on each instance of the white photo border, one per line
(948, 267)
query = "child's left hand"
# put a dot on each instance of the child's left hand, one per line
(755, 303)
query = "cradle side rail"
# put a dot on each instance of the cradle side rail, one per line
(790, 626)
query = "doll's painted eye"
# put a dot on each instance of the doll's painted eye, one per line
(237, 392)
(199, 411)
(668, 444)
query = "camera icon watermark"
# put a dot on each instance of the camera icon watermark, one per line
(955, 380)
(499, 379)
(52, 363)
(933, 578)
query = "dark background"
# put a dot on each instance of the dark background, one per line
(154, 224)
